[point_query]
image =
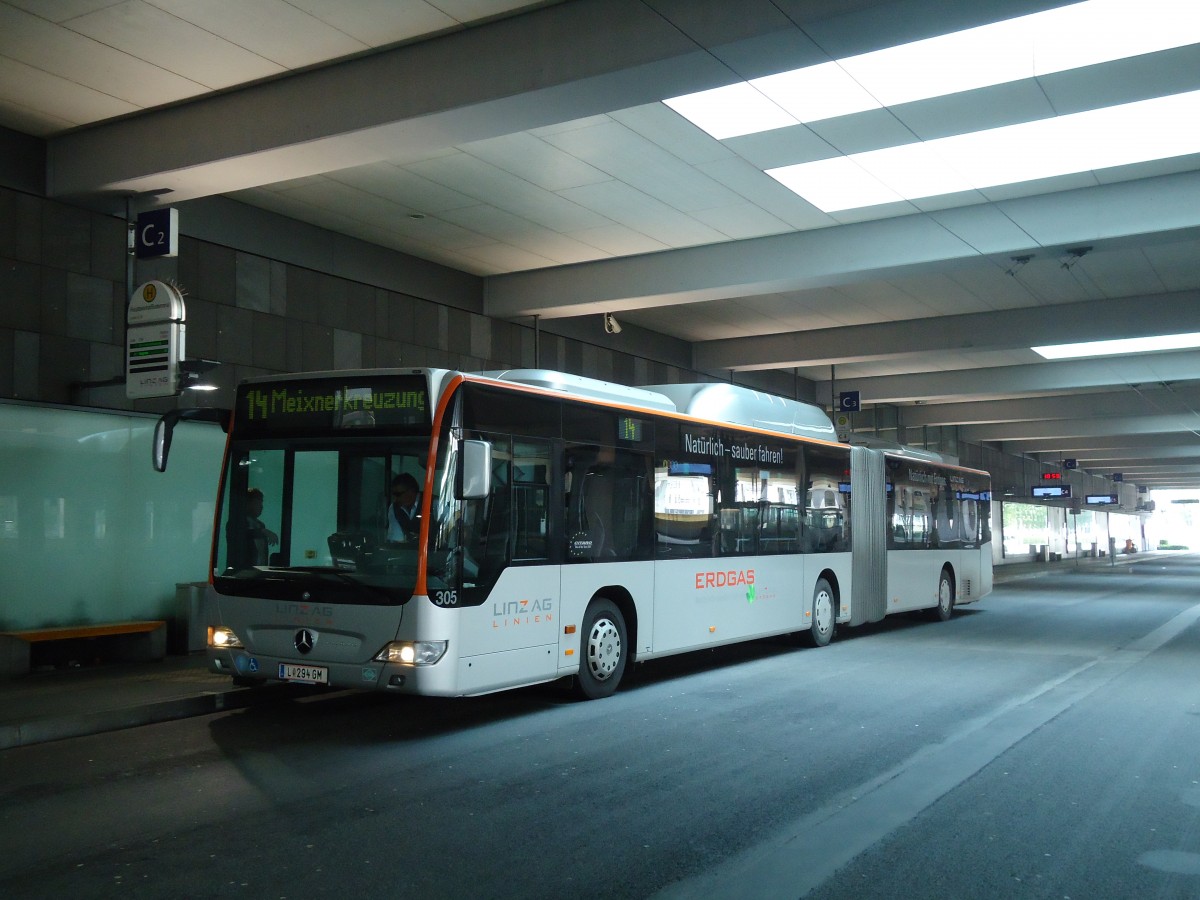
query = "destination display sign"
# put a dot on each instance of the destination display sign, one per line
(313, 405)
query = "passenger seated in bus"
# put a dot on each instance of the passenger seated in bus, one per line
(404, 512)
(250, 540)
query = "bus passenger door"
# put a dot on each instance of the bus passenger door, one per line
(506, 563)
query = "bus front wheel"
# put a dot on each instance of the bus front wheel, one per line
(603, 649)
(824, 614)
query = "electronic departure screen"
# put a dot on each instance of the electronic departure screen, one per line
(314, 405)
(1050, 492)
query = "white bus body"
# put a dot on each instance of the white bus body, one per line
(606, 525)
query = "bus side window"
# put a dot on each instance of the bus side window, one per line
(683, 510)
(492, 531)
(531, 499)
(607, 505)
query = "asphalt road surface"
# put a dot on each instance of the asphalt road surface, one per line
(1045, 742)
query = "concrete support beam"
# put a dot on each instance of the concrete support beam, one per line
(1007, 329)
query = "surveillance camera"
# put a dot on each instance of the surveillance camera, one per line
(611, 325)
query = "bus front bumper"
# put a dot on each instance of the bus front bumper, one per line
(244, 666)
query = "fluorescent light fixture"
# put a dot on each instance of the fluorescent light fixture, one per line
(1121, 346)
(1098, 139)
(1056, 40)
(815, 93)
(731, 111)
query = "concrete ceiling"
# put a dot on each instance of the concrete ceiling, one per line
(527, 143)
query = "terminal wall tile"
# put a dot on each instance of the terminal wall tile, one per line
(316, 348)
(20, 226)
(235, 336)
(347, 349)
(641, 372)
(62, 362)
(90, 308)
(120, 307)
(518, 345)
(162, 268)
(597, 362)
(7, 360)
(105, 361)
(110, 238)
(279, 276)
(252, 276)
(187, 266)
(20, 300)
(201, 329)
(480, 336)
(303, 294)
(217, 274)
(572, 357)
(427, 324)
(269, 349)
(389, 354)
(382, 308)
(331, 301)
(26, 365)
(415, 356)
(457, 331)
(294, 345)
(553, 353)
(522, 352)
(623, 368)
(368, 351)
(67, 238)
(402, 323)
(359, 313)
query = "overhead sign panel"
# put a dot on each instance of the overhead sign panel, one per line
(157, 234)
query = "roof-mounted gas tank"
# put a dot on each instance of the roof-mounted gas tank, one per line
(744, 406)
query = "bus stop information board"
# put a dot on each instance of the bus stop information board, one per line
(154, 341)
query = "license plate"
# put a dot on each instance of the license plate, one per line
(307, 674)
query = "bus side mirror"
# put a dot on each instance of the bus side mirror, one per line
(475, 469)
(164, 429)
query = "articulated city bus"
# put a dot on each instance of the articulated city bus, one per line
(559, 527)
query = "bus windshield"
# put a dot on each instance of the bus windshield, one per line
(323, 488)
(297, 513)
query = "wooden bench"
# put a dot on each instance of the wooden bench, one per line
(130, 641)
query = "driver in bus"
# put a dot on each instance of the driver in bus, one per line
(404, 512)
(250, 542)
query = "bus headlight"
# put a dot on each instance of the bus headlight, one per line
(223, 638)
(412, 653)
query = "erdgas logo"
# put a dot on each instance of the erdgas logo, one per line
(731, 578)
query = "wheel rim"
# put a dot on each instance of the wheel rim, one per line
(823, 612)
(945, 595)
(604, 649)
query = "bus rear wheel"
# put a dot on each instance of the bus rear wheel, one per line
(945, 598)
(603, 650)
(824, 614)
